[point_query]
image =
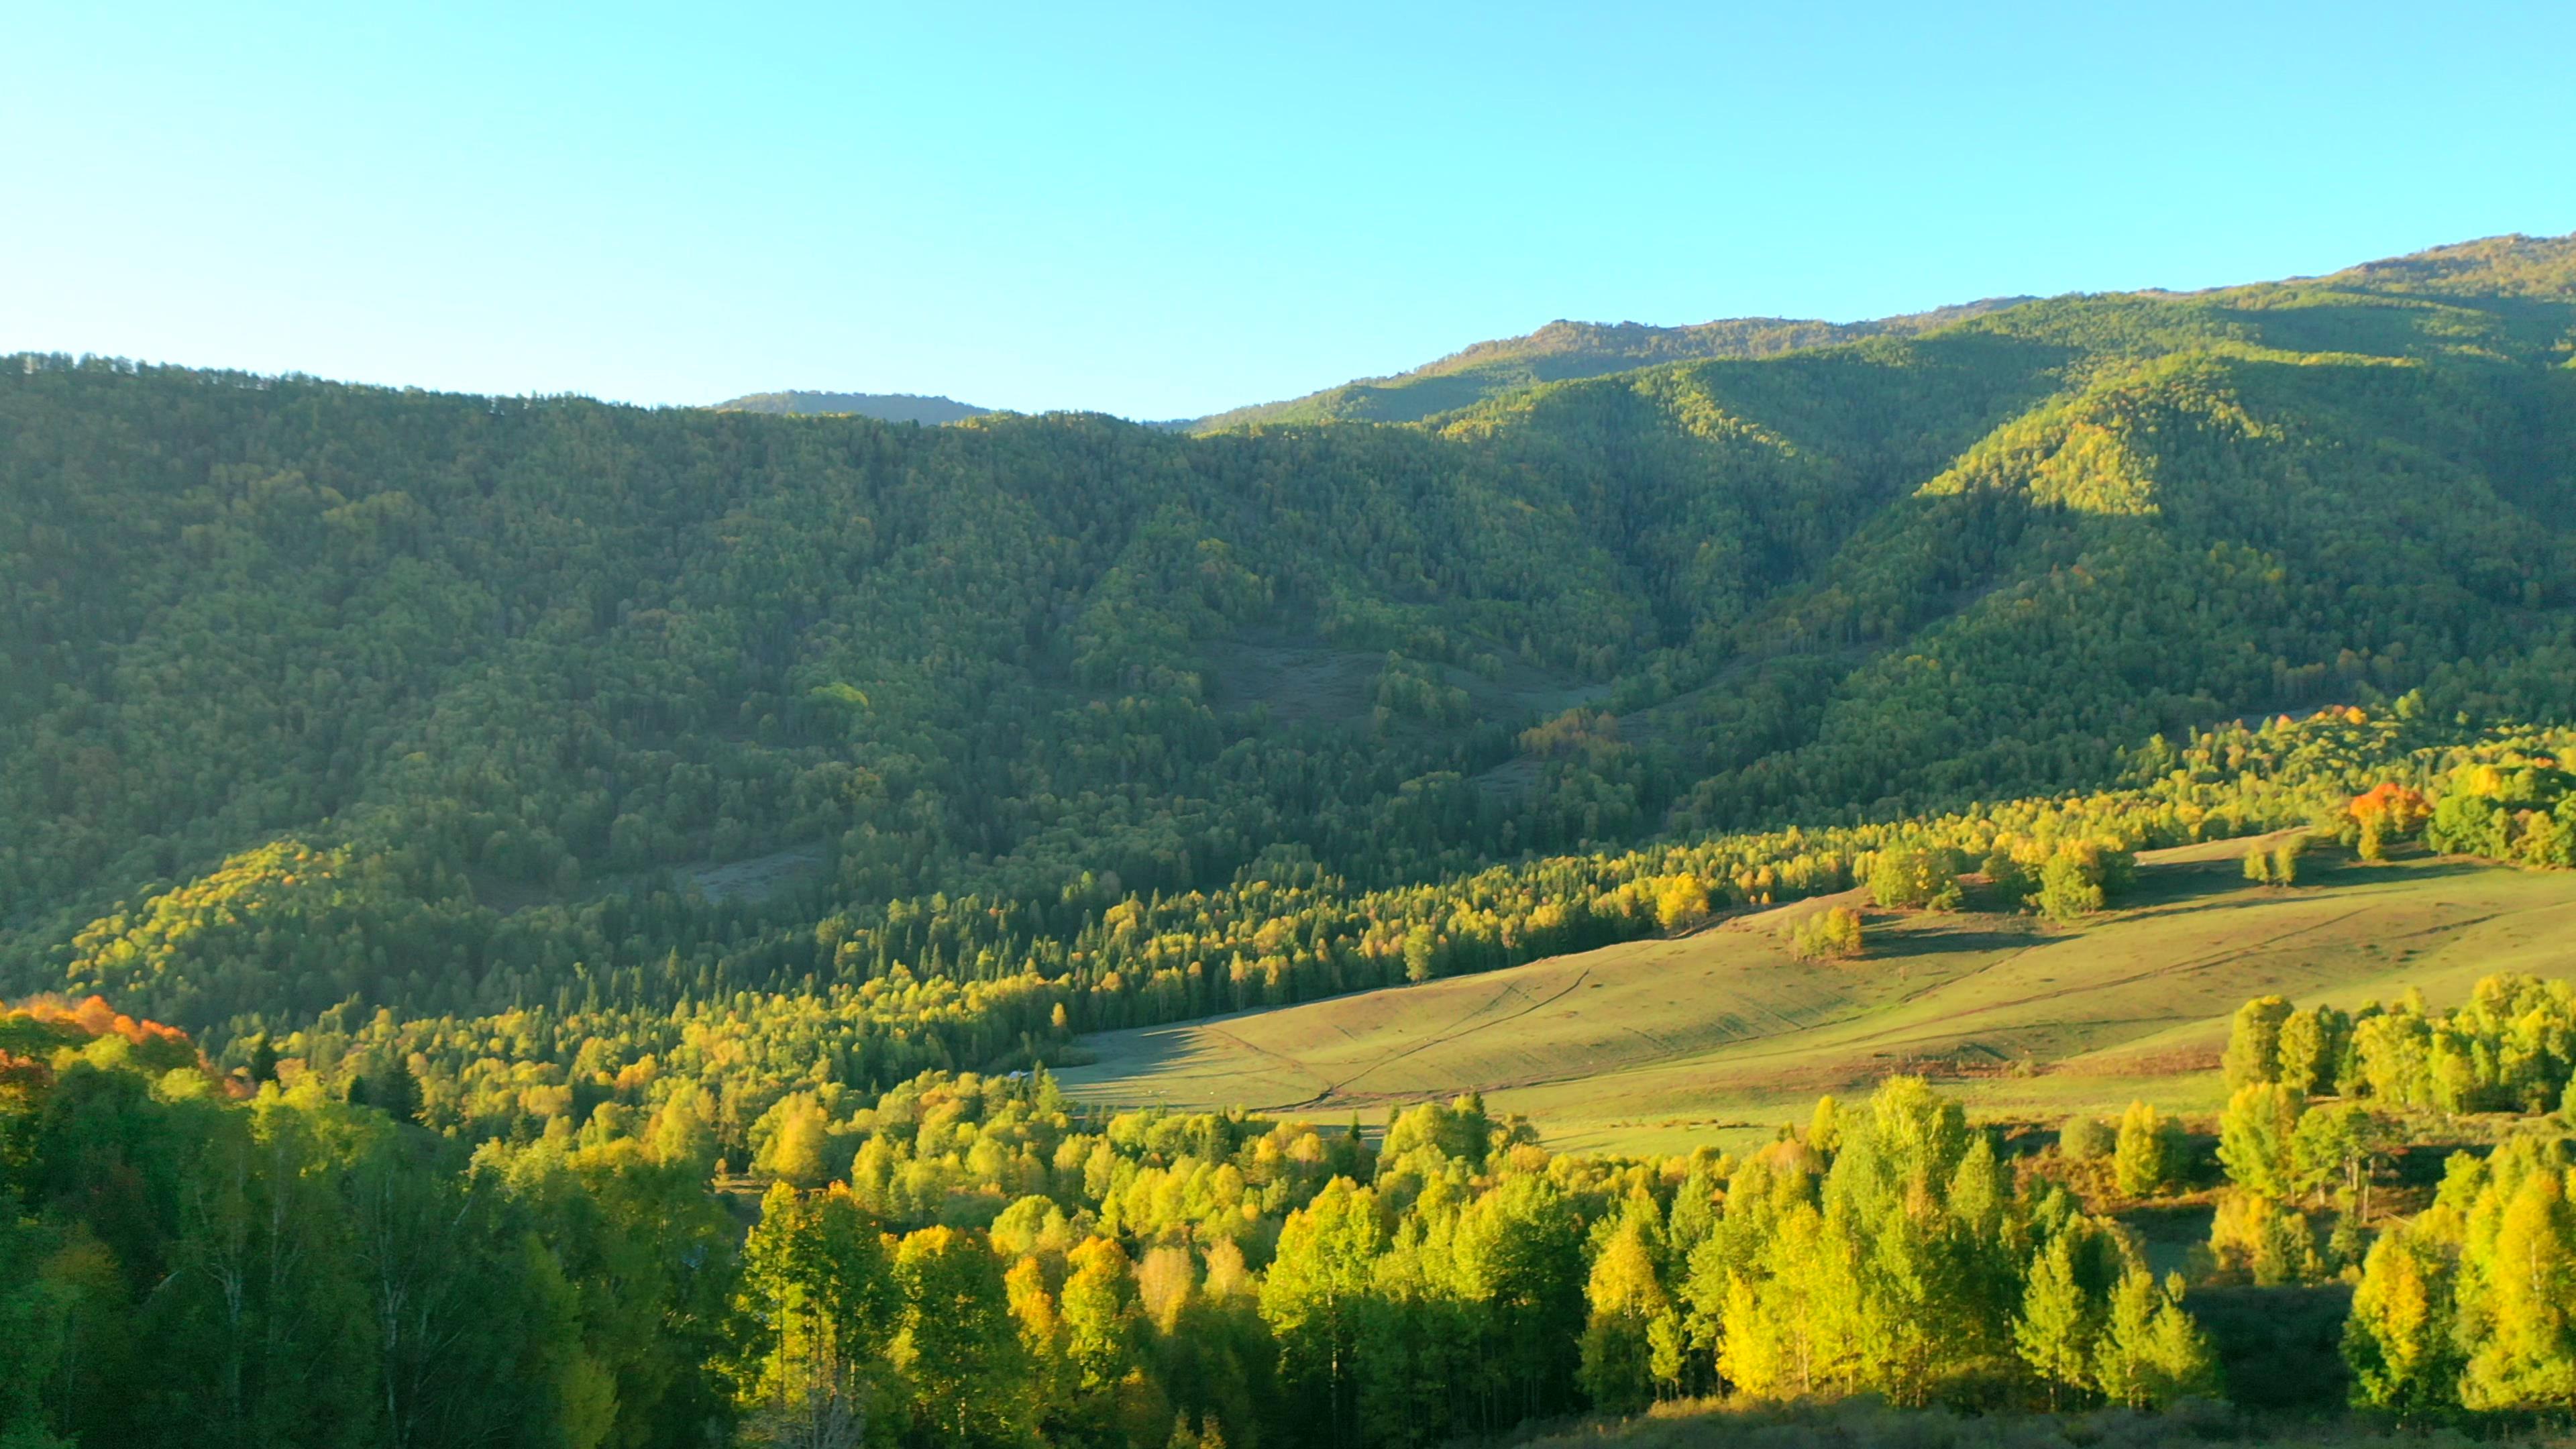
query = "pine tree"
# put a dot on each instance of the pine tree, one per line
(2151, 1351)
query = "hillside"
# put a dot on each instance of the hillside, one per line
(1562, 350)
(1721, 1035)
(339, 699)
(891, 407)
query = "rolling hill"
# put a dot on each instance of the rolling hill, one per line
(1661, 1044)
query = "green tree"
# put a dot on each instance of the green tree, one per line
(2254, 1042)
(819, 1309)
(1314, 1297)
(2399, 1338)
(2145, 1158)
(2527, 1359)
(2150, 1351)
(965, 1371)
(2258, 865)
(2254, 1139)
(1915, 877)
(1626, 1298)
(2314, 1041)
(2058, 1323)
(2070, 887)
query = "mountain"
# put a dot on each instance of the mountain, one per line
(482, 688)
(892, 407)
(454, 850)
(1562, 350)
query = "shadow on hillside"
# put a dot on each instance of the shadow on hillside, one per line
(1893, 946)
(2169, 883)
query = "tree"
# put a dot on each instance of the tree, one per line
(2086, 1138)
(2331, 1148)
(1914, 877)
(2387, 811)
(2144, 1160)
(959, 1350)
(2400, 1335)
(2254, 1042)
(1315, 1295)
(1681, 901)
(1626, 1297)
(2527, 1359)
(1103, 1331)
(2258, 1238)
(1832, 934)
(2151, 1352)
(2313, 1044)
(798, 1140)
(2070, 886)
(2056, 1330)
(819, 1307)
(2285, 860)
(2254, 1137)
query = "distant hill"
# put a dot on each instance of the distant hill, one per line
(892, 407)
(1563, 350)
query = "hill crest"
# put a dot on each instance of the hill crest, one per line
(891, 407)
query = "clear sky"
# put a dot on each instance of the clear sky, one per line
(1162, 211)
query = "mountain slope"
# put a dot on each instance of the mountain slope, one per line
(892, 407)
(483, 684)
(1562, 350)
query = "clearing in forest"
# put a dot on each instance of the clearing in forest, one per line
(1654, 1045)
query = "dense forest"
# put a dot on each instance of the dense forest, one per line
(543, 922)
(969, 1259)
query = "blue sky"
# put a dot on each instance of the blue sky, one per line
(1166, 210)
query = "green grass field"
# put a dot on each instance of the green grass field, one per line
(1659, 1045)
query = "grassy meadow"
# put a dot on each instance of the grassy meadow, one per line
(1721, 1034)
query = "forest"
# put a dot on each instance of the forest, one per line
(970, 1259)
(535, 921)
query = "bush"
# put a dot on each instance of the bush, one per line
(2085, 1139)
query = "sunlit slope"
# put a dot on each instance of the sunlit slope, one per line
(1636, 1044)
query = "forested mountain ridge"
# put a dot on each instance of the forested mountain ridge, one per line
(892, 407)
(1562, 350)
(466, 677)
